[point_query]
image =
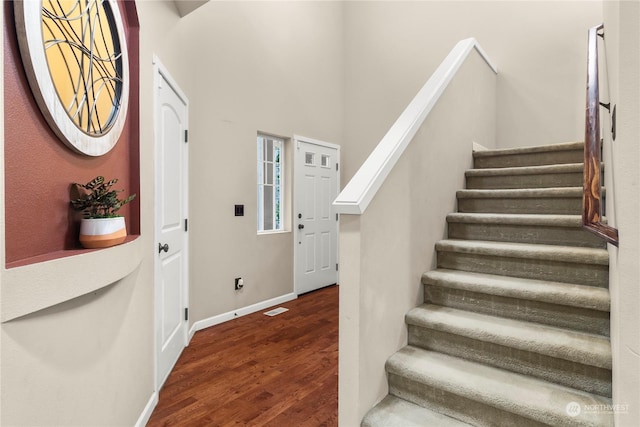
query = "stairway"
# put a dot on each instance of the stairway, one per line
(514, 330)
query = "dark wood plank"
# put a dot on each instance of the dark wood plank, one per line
(259, 370)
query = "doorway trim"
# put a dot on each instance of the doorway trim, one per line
(297, 139)
(161, 72)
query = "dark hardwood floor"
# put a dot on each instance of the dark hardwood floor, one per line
(259, 370)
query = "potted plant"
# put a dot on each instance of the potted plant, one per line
(101, 226)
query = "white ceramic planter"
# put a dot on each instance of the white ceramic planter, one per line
(102, 232)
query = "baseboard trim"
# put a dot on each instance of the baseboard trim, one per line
(147, 411)
(230, 315)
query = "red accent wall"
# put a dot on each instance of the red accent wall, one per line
(39, 168)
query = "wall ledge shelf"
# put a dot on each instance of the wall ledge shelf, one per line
(32, 287)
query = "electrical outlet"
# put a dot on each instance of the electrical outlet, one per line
(239, 283)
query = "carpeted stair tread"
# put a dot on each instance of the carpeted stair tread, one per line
(520, 193)
(569, 254)
(525, 176)
(525, 289)
(396, 412)
(565, 153)
(548, 148)
(527, 170)
(587, 349)
(549, 220)
(549, 229)
(546, 200)
(527, 397)
(516, 321)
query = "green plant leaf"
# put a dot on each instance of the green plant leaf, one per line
(99, 200)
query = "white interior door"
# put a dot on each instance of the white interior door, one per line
(315, 221)
(171, 303)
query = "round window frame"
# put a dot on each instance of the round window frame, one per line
(28, 16)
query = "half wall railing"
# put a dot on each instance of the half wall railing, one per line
(358, 193)
(393, 212)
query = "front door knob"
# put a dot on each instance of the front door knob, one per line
(300, 226)
(162, 247)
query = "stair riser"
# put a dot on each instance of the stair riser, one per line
(582, 377)
(573, 318)
(564, 236)
(525, 181)
(467, 410)
(581, 274)
(528, 205)
(529, 159)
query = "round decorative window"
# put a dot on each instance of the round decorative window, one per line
(75, 56)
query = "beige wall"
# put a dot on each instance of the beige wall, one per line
(245, 67)
(391, 48)
(84, 362)
(622, 38)
(326, 70)
(89, 361)
(273, 67)
(384, 251)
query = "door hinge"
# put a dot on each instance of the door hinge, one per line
(336, 167)
(186, 313)
(186, 135)
(186, 224)
(337, 266)
(336, 217)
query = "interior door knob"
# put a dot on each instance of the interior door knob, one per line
(300, 226)
(162, 247)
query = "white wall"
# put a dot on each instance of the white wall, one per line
(391, 49)
(622, 39)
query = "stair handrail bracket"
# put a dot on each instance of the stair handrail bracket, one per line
(361, 189)
(592, 189)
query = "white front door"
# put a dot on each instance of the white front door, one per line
(315, 221)
(171, 227)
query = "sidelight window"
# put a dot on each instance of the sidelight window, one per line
(270, 183)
